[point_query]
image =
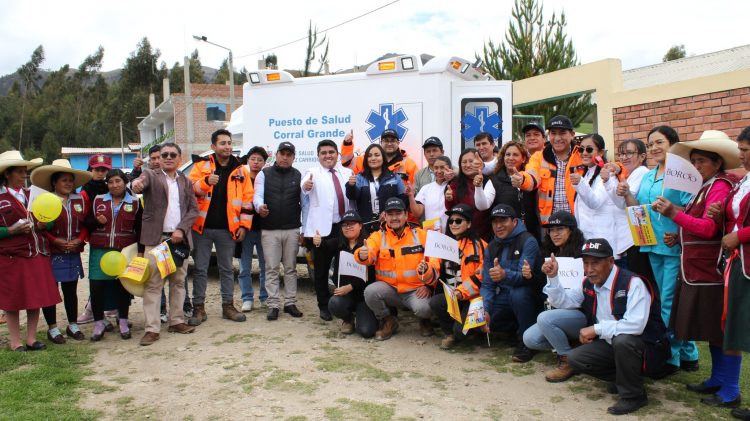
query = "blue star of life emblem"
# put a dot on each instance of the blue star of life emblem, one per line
(387, 118)
(481, 121)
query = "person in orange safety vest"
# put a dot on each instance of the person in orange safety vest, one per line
(395, 158)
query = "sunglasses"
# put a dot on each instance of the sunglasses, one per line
(588, 149)
(456, 221)
(172, 155)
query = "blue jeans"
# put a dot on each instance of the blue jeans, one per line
(252, 239)
(514, 308)
(554, 329)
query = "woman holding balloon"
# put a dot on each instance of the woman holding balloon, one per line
(26, 280)
(67, 238)
(115, 223)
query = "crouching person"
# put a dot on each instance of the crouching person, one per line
(624, 333)
(403, 277)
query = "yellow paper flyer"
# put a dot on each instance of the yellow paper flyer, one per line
(164, 260)
(640, 226)
(452, 301)
(475, 316)
(137, 271)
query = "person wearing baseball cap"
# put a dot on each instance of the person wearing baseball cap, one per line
(403, 276)
(549, 169)
(347, 301)
(562, 239)
(533, 137)
(624, 337)
(484, 143)
(278, 202)
(432, 149)
(511, 301)
(465, 277)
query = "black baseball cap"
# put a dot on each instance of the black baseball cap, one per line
(394, 203)
(351, 215)
(180, 252)
(562, 219)
(503, 211)
(533, 126)
(560, 122)
(461, 209)
(285, 146)
(597, 247)
(432, 141)
(389, 133)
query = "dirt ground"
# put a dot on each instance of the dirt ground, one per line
(304, 369)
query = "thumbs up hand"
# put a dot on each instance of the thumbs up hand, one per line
(317, 239)
(213, 179)
(575, 178)
(478, 180)
(308, 184)
(449, 193)
(550, 267)
(364, 252)
(497, 273)
(516, 178)
(352, 179)
(526, 270)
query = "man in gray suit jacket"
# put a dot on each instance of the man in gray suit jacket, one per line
(169, 211)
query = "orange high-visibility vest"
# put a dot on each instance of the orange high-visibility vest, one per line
(239, 195)
(396, 258)
(472, 258)
(540, 174)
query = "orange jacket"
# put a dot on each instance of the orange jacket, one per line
(396, 258)
(471, 267)
(404, 164)
(239, 195)
(540, 174)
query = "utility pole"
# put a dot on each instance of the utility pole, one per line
(122, 148)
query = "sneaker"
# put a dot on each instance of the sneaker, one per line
(163, 317)
(247, 306)
(626, 406)
(292, 310)
(522, 354)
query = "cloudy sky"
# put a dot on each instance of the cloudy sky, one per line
(638, 32)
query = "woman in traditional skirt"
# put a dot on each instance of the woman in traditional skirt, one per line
(115, 223)
(736, 244)
(26, 281)
(67, 238)
(699, 294)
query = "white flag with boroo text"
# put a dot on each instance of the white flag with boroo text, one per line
(680, 174)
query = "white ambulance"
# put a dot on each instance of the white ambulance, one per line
(446, 97)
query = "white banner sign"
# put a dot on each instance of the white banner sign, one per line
(570, 272)
(680, 174)
(441, 246)
(349, 267)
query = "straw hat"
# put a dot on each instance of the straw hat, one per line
(712, 141)
(41, 177)
(14, 159)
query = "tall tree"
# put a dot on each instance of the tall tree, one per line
(674, 53)
(532, 47)
(29, 73)
(312, 45)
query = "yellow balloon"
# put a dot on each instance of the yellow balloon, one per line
(46, 207)
(113, 263)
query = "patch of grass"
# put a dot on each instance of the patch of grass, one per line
(124, 400)
(393, 394)
(359, 410)
(440, 382)
(46, 384)
(296, 418)
(97, 387)
(493, 412)
(217, 333)
(121, 380)
(286, 380)
(535, 412)
(244, 338)
(556, 399)
(343, 363)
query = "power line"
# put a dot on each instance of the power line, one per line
(320, 32)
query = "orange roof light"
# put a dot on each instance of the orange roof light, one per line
(387, 65)
(270, 77)
(456, 64)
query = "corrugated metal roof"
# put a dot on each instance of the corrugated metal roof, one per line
(718, 62)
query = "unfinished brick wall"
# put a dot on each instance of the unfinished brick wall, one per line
(728, 111)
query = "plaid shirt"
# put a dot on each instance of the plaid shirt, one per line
(560, 198)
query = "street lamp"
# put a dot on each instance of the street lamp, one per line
(231, 69)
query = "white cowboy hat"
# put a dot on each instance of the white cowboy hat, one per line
(712, 141)
(14, 159)
(41, 177)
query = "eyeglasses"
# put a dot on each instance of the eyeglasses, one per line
(627, 154)
(456, 221)
(172, 155)
(588, 149)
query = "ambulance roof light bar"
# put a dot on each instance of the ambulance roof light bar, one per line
(263, 77)
(397, 64)
(455, 65)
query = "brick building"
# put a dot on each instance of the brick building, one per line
(167, 121)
